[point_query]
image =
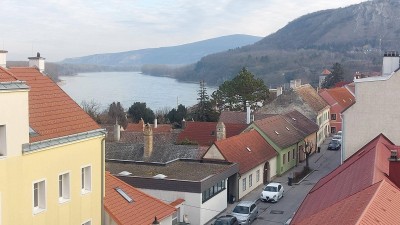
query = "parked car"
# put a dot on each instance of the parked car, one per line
(337, 137)
(339, 133)
(334, 145)
(226, 220)
(272, 192)
(245, 212)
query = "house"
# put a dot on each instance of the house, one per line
(306, 100)
(205, 133)
(256, 159)
(322, 77)
(363, 190)
(376, 109)
(199, 188)
(338, 98)
(126, 205)
(51, 161)
(287, 134)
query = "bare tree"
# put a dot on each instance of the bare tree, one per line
(308, 149)
(92, 108)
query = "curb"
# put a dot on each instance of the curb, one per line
(312, 171)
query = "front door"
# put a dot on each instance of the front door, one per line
(266, 176)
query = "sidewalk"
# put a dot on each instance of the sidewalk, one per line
(314, 163)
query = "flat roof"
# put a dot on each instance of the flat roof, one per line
(180, 169)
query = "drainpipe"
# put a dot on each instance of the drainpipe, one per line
(342, 149)
(103, 194)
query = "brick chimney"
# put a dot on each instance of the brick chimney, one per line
(37, 62)
(148, 141)
(221, 131)
(3, 58)
(394, 168)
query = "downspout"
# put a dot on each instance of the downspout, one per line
(103, 194)
(342, 149)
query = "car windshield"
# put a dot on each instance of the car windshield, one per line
(334, 142)
(271, 189)
(337, 137)
(241, 209)
(221, 222)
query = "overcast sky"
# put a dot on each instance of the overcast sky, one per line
(60, 29)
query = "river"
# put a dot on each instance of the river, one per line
(129, 87)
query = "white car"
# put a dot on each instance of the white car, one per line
(338, 138)
(272, 192)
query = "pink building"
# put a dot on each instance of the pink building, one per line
(339, 99)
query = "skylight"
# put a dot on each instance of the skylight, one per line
(293, 118)
(276, 132)
(124, 195)
(248, 149)
(287, 128)
(124, 173)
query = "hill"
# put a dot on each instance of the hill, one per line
(354, 36)
(175, 55)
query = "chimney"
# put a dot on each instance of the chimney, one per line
(394, 168)
(183, 123)
(37, 62)
(148, 141)
(3, 58)
(391, 62)
(117, 132)
(279, 91)
(221, 131)
(248, 113)
(155, 123)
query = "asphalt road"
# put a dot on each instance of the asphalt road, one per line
(278, 213)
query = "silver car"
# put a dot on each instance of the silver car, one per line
(245, 212)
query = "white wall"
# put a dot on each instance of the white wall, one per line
(255, 184)
(376, 111)
(324, 129)
(213, 153)
(197, 212)
(14, 115)
(108, 219)
(273, 167)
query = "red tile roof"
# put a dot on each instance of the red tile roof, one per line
(204, 133)
(326, 72)
(177, 202)
(365, 168)
(280, 131)
(52, 113)
(6, 76)
(248, 149)
(138, 127)
(342, 96)
(142, 210)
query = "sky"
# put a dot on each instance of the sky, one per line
(60, 29)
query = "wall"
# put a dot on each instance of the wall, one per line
(213, 153)
(198, 213)
(376, 111)
(255, 184)
(19, 173)
(323, 123)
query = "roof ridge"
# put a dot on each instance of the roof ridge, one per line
(9, 73)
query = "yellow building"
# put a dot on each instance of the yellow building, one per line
(51, 152)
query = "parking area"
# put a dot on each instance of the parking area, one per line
(278, 213)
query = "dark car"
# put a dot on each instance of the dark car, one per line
(226, 220)
(334, 145)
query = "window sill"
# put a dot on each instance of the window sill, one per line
(2, 156)
(63, 200)
(38, 210)
(85, 192)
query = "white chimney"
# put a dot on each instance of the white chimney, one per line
(279, 91)
(3, 58)
(248, 113)
(391, 62)
(37, 62)
(117, 132)
(155, 123)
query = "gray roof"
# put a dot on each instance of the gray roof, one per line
(161, 153)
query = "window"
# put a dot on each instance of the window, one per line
(293, 153)
(333, 130)
(284, 159)
(86, 179)
(63, 187)
(288, 156)
(39, 196)
(89, 222)
(257, 175)
(175, 218)
(214, 190)
(244, 184)
(3, 149)
(250, 180)
(333, 116)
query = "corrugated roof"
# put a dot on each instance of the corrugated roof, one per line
(142, 210)
(366, 167)
(204, 133)
(311, 97)
(276, 128)
(52, 113)
(248, 149)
